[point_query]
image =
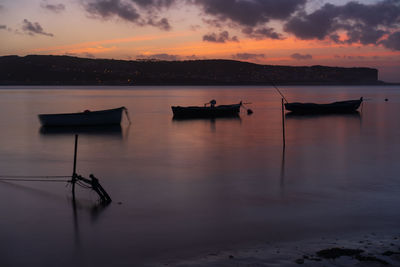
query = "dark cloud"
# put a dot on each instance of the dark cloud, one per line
(109, 8)
(363, 23)
(163, 56)
(213, 22)
(298, 56)
(33, 28)
(58, 8)
(249, 13)
(316, 25)
(392, 42)
(222, 37)
(247, 56)
(262, 33)
(163, 24)
(154, 3)
(195, 27)
(250, 16)
(355, 57)
(140, 12)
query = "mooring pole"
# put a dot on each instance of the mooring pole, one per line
(283, 125)
(74, 175)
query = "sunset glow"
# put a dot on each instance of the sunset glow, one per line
(285, 33)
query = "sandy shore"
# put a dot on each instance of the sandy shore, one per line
(365, 249)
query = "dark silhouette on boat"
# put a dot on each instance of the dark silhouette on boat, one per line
(209, 110)
(349, 106)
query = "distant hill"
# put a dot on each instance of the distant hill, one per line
(66, 70)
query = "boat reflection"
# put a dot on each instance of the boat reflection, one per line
(296, 116)
(101, 130)
(211, 121)
(227, 118)
(327, 129)
(282, 172)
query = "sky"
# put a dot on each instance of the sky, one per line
(273, 32)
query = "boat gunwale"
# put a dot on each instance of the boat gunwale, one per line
(209, 107)
(83, 112)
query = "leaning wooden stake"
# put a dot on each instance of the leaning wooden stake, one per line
(283, 125)
(92, 183)
(105, 197)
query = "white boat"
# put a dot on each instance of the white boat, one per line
(86, 118)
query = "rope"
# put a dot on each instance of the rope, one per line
(279, 92)
(83, 185)
(35, 176)
(31, 180)
(127, 114)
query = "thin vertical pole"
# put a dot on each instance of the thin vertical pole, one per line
(283, 125)
(73, 180)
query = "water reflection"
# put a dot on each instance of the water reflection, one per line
(295, 116)
(95, 211)
(282, 174)
(332, 128)
(114, 131)
(219, 181)
(211, 121)
(27, 188)
(232, 118)
(75, 222)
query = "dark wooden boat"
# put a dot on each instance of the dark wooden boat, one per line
(211, 111)
(86, 118)
(348, 106)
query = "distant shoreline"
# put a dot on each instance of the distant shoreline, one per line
(43, 70)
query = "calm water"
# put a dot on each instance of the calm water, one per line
(185, 188)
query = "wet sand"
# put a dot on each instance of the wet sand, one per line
(361, 249)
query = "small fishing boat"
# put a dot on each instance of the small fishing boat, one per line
(348, 106)
(211, 111)
(86, 118)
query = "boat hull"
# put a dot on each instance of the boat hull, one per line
(348, 106)
(206, 112)
(88, 118)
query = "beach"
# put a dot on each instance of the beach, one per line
(361, 249)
